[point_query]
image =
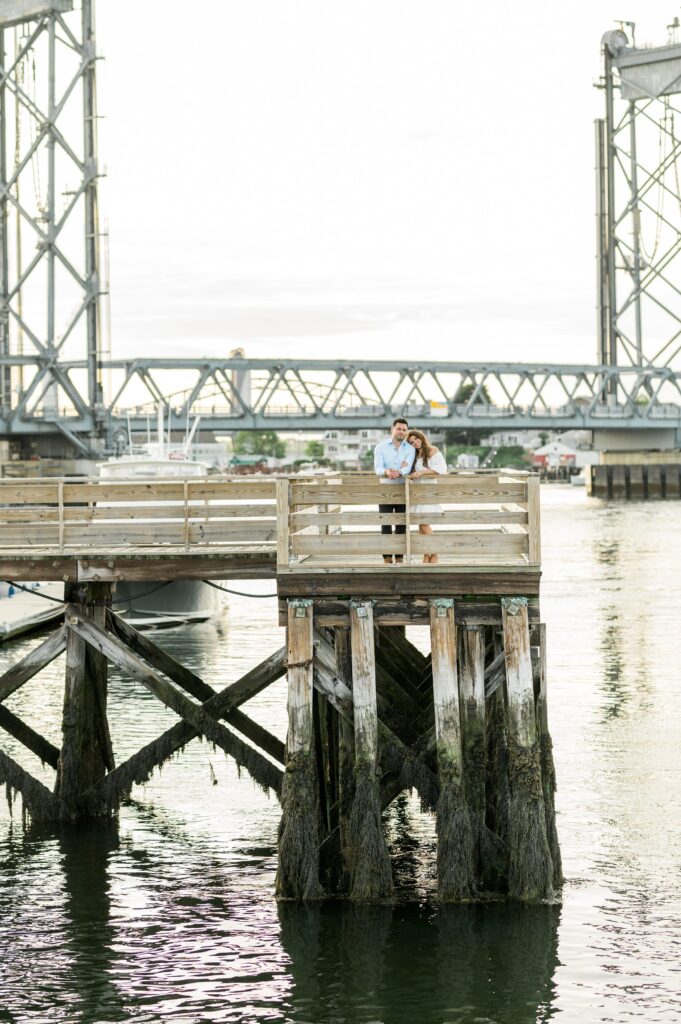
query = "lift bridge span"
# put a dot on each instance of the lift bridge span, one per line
(323, 394)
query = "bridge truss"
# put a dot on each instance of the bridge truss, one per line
(318, 395)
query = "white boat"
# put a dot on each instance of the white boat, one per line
(160, 606)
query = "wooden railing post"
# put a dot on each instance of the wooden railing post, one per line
(533, 519)
(61, 516)
(407, 513)
(185, 492)
(283, 523)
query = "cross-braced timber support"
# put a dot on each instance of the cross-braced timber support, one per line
(88, 783)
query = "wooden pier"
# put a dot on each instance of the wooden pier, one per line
(369, 715)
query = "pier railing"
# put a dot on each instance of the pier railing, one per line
(482, 518)
(73, 515)
(477, 519)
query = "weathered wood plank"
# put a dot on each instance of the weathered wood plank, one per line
(330, 612)
(450, 490)
(103, 535)
(476, 517)
(95, 513)
(144, 565)
(534, 519)
(282, 522)
(424, 583)
(32, 740)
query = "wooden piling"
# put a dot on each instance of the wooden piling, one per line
(472, 696)
(371, 873)
(497, 790)
(455, 853)
(530, 865)
(86, 753)
(637, 488)
(346, 759)
(298, 870)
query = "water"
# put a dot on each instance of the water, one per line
(170, 916)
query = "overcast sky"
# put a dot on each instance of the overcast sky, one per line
(377, 178)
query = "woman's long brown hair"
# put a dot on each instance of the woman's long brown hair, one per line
(427, 448)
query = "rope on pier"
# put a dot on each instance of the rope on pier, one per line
(240, 593)
(126, 600)
(105, 604)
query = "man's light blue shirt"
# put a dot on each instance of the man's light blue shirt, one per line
(387, 456)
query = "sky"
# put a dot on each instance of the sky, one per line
(379, 179)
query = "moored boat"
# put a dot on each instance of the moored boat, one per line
(175, 602)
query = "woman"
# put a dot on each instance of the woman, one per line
(429, 462)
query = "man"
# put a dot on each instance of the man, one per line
(394, 458)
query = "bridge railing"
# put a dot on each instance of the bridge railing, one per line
(477, 519)
(67, 515)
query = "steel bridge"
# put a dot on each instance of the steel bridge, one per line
(57, 380)
(323, 394)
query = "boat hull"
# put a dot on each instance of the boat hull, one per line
(153, 606)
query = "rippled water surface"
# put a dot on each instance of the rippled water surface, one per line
(170, 915)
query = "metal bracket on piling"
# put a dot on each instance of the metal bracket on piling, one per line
(300, 604)
(361, 606)
(513, 604)
(441, 604)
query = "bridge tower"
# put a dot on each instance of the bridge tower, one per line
(50, 285)
(638, 209)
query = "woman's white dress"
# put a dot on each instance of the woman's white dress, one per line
(436, 463)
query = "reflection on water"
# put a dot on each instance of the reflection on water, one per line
(492, 963)
(169, 915)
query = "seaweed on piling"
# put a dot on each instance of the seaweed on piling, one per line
(298, 868)
(530, 865)
(548, 774)
(456, 846)
(371, 873)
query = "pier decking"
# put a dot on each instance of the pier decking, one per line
(369, 715)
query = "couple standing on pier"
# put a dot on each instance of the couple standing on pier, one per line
(407, 453)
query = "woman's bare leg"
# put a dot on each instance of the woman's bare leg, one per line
(426, 531)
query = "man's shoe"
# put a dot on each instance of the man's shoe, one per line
(399, 559)
(388, 559)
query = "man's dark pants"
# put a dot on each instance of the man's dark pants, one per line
(385, 527)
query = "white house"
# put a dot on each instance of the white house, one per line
(554, 455)
(527, 439)
(348, 446)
